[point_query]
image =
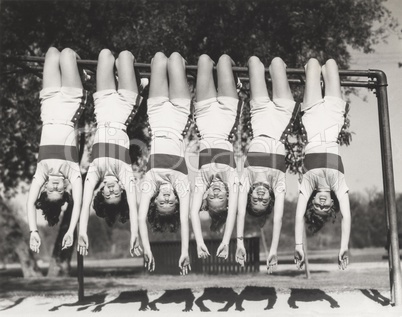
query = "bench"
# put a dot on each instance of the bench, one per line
(167, 254)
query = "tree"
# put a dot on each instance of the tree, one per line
(12, 237)
(294, 30)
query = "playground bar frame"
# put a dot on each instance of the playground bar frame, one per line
(376, 81)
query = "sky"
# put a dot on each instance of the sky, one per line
(362, 159)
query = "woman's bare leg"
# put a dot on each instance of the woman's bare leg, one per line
(332, 81)
(312, 90)
(70, 76)
(205, 88)
(51, 69)
(256, 69)
(226, 82)
(105, 71)
(280, 83)
(158, 86)
(178, 86)
(125, 71)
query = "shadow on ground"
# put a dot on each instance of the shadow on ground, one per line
(225, 295)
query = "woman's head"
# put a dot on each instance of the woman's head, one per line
(321, 206)
(109, 210)
(51, 207)
(163, 213)
(217, 196)
(55, 188)
(111, 189)
(166, 200)
(260, 201)
(216, 203)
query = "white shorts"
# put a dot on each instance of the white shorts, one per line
(168, 118)
(114, 105)
(59, 104)
(324, 119)
(215, 117)
(270, 118)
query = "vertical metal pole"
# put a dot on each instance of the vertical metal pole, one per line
(80, 258)
(388, 179)
(306, 262)
(80, 276)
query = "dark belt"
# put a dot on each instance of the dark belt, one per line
(111, 150)
(214, 155)
(322, 160)
(61, 152)
(271, 160)
(173, 162)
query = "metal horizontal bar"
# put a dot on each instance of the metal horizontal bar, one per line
(239, 70)
(344, 83)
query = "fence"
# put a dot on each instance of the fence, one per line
(167, 254)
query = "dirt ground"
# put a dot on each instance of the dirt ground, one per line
(361, 290)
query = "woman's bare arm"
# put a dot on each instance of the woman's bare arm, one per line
(195, 218)
(32, 197)
(89, 189)
(277, 224)
(76, 191)
(241, 215)
(184, 220)
(129, 184)
(344, 205)
(184, 261)
(299, 230)
(142, 220)
(223, 250)
(142, 223)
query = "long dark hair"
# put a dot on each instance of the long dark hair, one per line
(218, 219)
(163, 222)
(262, 216)
(51, 209)
(314, 221)
(111, 211)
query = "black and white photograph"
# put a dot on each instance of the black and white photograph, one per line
(186, 157)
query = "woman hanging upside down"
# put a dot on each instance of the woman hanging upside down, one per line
(216, 185)
(323, 190)
(263, 184)
(111, 168)
(57, 183)
(165, 192)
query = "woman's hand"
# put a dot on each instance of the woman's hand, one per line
(135, 248)
(34, 241)
(184, 264)
(202, 251)
(241, 255)
(83, 244)
(68, 240)
(299, 256)
(149, 260)
(223, 251)
(272, 262)
(343, 259)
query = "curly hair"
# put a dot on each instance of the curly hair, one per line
(51, 209)
(111, 211)
(263, 216)
(161, 222)
(218, 218)
(314, 221)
